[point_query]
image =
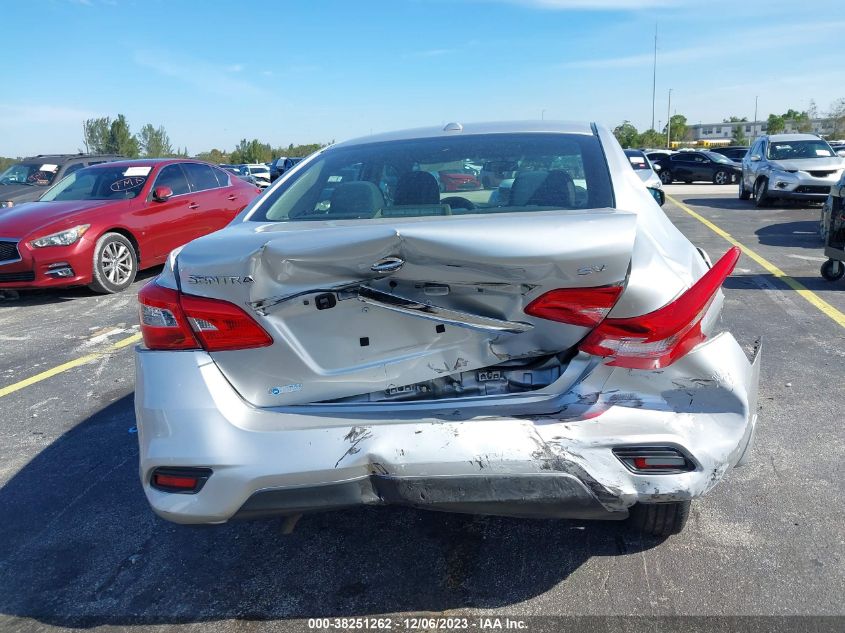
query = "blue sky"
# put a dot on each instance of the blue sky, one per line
(214, 72)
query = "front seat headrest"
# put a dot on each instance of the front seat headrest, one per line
(416, 187)
(355, 200)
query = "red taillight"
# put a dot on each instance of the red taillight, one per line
(659, 338)
(171, 320)
(163, 324)
(578, 306)
(220, 325)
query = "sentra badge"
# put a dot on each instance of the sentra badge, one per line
(219, 279)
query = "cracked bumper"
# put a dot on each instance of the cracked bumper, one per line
(547, 457)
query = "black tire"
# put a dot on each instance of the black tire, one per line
(744, 194)
(115, 264)
(659, 519)
(833, 270)
(721, 177)
(761, 193)
(666, 177)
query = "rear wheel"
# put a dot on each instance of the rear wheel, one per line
(833, 270)
(115, 264)
(744, 194)
(761, 193)
(659, 519)
(666, 177)
(721, 177)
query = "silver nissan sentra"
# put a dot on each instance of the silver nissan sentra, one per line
(370, 332)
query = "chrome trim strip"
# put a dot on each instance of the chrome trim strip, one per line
(397, 303)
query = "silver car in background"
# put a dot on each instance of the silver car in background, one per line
(647, 172)
(789, 166)
(357, 336)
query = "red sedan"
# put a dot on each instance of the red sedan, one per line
(100, 225)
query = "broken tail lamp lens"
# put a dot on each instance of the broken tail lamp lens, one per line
(659, 338)
(659, 460)
(180, 480)
(586, 307)
(171, 320)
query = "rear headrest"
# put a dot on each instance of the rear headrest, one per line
(524, 186)
(361, 199)
(557, 190)
(416, 187)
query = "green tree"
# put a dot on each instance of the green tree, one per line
(651, 138)
(96, 134)
(214, 156)
(154, 141)
(121, 140)
(775, 124)
(739, 135)
(626, 134)
(735, 119)
(677, 128)
(837, 113)
(253, 151)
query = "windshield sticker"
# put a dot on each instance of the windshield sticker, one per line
(335, 178)
(822, 152)
(49, 168)
(137, 171)
(125, 184)
(639, 160)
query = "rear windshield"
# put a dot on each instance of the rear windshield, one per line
(478, 174)
(100, 183)
(637, 159)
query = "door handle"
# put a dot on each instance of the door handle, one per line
(193, 205)
(231, 197)
(388, 265)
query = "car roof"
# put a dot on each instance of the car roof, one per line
(793, 137)
(457, 129)
(147, 162)
(63, 158)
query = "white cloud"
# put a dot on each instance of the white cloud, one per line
(17, 115)
(205, 76)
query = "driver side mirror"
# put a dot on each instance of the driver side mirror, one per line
(656, 167)
(162, 194)
(755, 158)
(658, 195)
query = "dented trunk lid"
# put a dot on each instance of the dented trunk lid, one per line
(356, 307)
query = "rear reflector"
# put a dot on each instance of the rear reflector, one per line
(659, 338)
(663, 460)
(184, 480)
(586, 307)
(172, 320)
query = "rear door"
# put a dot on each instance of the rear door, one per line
(360, 306)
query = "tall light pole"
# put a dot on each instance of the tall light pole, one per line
(542, 114)
(669, 121)
(755, 118)
(654, 77)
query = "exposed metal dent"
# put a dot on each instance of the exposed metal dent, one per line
(397, 303)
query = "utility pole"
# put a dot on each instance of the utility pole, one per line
(754, 127)
(654, 77)
(543, 114)
(669, 122)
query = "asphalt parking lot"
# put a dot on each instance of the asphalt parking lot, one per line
(80, 548)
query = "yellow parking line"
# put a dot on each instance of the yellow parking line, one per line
(797, 286)
(58, 369)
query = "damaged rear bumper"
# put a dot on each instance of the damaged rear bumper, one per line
(546, 455)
